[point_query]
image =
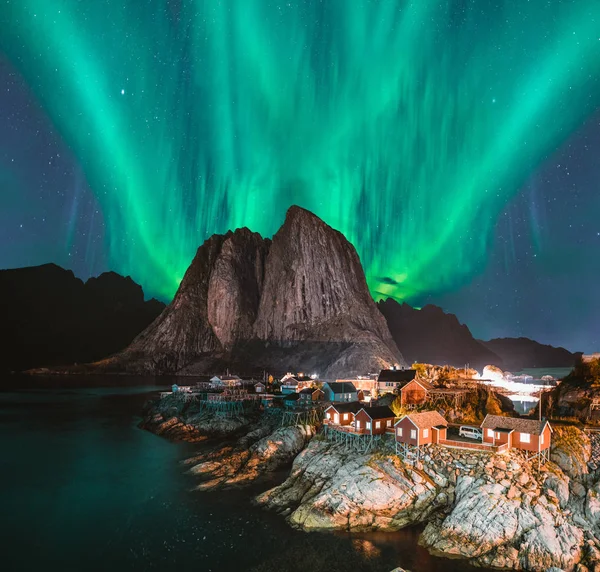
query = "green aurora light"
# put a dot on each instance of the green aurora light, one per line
(406, 125)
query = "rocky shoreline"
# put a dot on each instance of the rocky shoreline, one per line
(494, 511)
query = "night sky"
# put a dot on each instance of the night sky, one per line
(456, 144)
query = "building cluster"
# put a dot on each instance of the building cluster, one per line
(414, 430)
(348, 408)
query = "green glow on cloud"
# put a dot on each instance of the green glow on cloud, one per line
(406, 125)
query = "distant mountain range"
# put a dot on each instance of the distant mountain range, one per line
(430, 335)
(51, 318)
(519, 353)
(299, 302)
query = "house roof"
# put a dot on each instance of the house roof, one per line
(531, 426)
(309, 390)
(379, 412)
(424, 384)
(397, 375)
(349, 407)
(342, 387)
(426, 419)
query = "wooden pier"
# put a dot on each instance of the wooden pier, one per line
(305, 416)
(360, 441)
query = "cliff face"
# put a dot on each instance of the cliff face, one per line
(315, 277)
(301, 301)
(53, 318)
(520, 353)
(431, 336)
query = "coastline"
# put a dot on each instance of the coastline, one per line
(489, 510)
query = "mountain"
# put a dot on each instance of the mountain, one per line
(429, 335)
(298, 302)
(50, 317)
(520, 353)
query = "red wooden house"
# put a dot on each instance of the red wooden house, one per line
(374, 420)
(342, 413)
(415, 392)
(525, 434)
(419, 429)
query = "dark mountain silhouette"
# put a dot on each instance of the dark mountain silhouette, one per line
(431, 336)
(299, 301)
(520, 353)
(50, 317)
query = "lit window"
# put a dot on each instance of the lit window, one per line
(497, 435)
(388, 423)
(425, 433)
(542, 439)
(399, 431)
(490, 433)
(345, 416)
(413, 433)
(328, 416)
(377, 424)
(368, 425)
(525, 438)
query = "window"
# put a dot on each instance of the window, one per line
(358, 423)
(388, 423)
(425, 433)
(336, 418)
(525, 438)
(399, 431)
(541, 439)
(491, 433)
(345, 416)
(413, 433)
(368, 425)
(497, 435)
(328, 415)
(377, 424)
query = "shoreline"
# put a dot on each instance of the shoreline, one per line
(331, 489)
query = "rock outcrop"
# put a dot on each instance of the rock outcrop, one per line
(52, 318)
(578, 393)
(431, 336)
(300, 301)
(261, 451)
(494, 510)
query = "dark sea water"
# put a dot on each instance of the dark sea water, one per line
(83, 488)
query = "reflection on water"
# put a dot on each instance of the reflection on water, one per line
(523, 406)
(82, 488)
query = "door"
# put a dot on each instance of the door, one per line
(336, 419)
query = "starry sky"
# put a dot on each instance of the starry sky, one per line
(455, 143)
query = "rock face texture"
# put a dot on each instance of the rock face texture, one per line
(299, 301)
(431, 336)
(53, 318)
(576, 394)
(496, 511)
(519, 353)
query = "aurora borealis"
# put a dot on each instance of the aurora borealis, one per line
(408, 126)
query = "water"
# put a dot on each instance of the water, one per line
(83, 488)
(538, 372)
(522, 404)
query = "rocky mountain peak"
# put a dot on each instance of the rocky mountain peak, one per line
(300, 299)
